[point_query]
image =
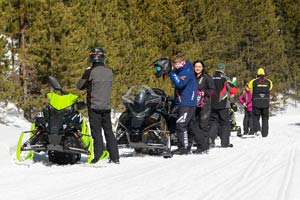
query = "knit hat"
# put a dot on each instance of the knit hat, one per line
(260, 71)
(221, 67)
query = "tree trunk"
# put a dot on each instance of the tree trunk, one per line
(23, 67)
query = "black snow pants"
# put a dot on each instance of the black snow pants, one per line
(264, 113)
(101, 119)
(183, 123)
(220, 123)
(248, 122)
(202, 116)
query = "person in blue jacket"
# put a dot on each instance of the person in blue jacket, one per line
(185, 98)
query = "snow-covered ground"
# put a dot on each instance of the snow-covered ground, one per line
(255, 169)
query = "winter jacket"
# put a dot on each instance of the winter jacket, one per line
(224, 88)
(185, 85)
(246, 98)
(261, 88)
(97, 80)
(205, 84)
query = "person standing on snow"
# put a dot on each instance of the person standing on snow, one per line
(220, 119)
(246, 100)
(185, 98)
(206, 88)
(97, 80)
(261, 87)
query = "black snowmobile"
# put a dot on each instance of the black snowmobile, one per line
(59, 130)
(147, 123)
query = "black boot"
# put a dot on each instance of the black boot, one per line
(228, 146)
(200, 151)
(114, 161)
(251, 132)
(95, 160)
(181, 151)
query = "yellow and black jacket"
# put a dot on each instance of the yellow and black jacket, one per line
(261, 88)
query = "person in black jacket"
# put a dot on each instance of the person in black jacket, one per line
(261, 87)
(220, 104)
(97, 80)
(206, 88)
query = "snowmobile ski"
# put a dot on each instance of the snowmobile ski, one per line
(21, 155)
(99, 164)
(104, 156)
(247, 136)
(26, 163)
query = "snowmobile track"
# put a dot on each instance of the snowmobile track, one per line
(283, 193)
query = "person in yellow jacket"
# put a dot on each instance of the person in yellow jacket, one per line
(261, 87)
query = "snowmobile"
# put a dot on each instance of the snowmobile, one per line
(233, 125)
(147, 123)
(59, 130)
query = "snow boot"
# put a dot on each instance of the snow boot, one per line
(181, 151)
(200, 151)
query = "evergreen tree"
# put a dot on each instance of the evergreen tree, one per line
(16, 71)
(243, 40)
(261, 44)
(54, 38)
(288, 11)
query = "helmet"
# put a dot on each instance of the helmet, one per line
(162, 66)
(260, 71)
(97, 55)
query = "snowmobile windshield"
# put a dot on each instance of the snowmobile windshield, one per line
(140, 100)
(60, 102)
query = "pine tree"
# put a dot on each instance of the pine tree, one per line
(54, 38)
(243, 40)
(261, 44)
(288, 11)
(17, 70)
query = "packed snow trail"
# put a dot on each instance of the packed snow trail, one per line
(255, 168)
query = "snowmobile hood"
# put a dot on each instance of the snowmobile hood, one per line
(60, 102)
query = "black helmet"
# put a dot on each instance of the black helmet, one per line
(97, 55)
(163, 66)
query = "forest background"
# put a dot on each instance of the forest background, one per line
(39, 38)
